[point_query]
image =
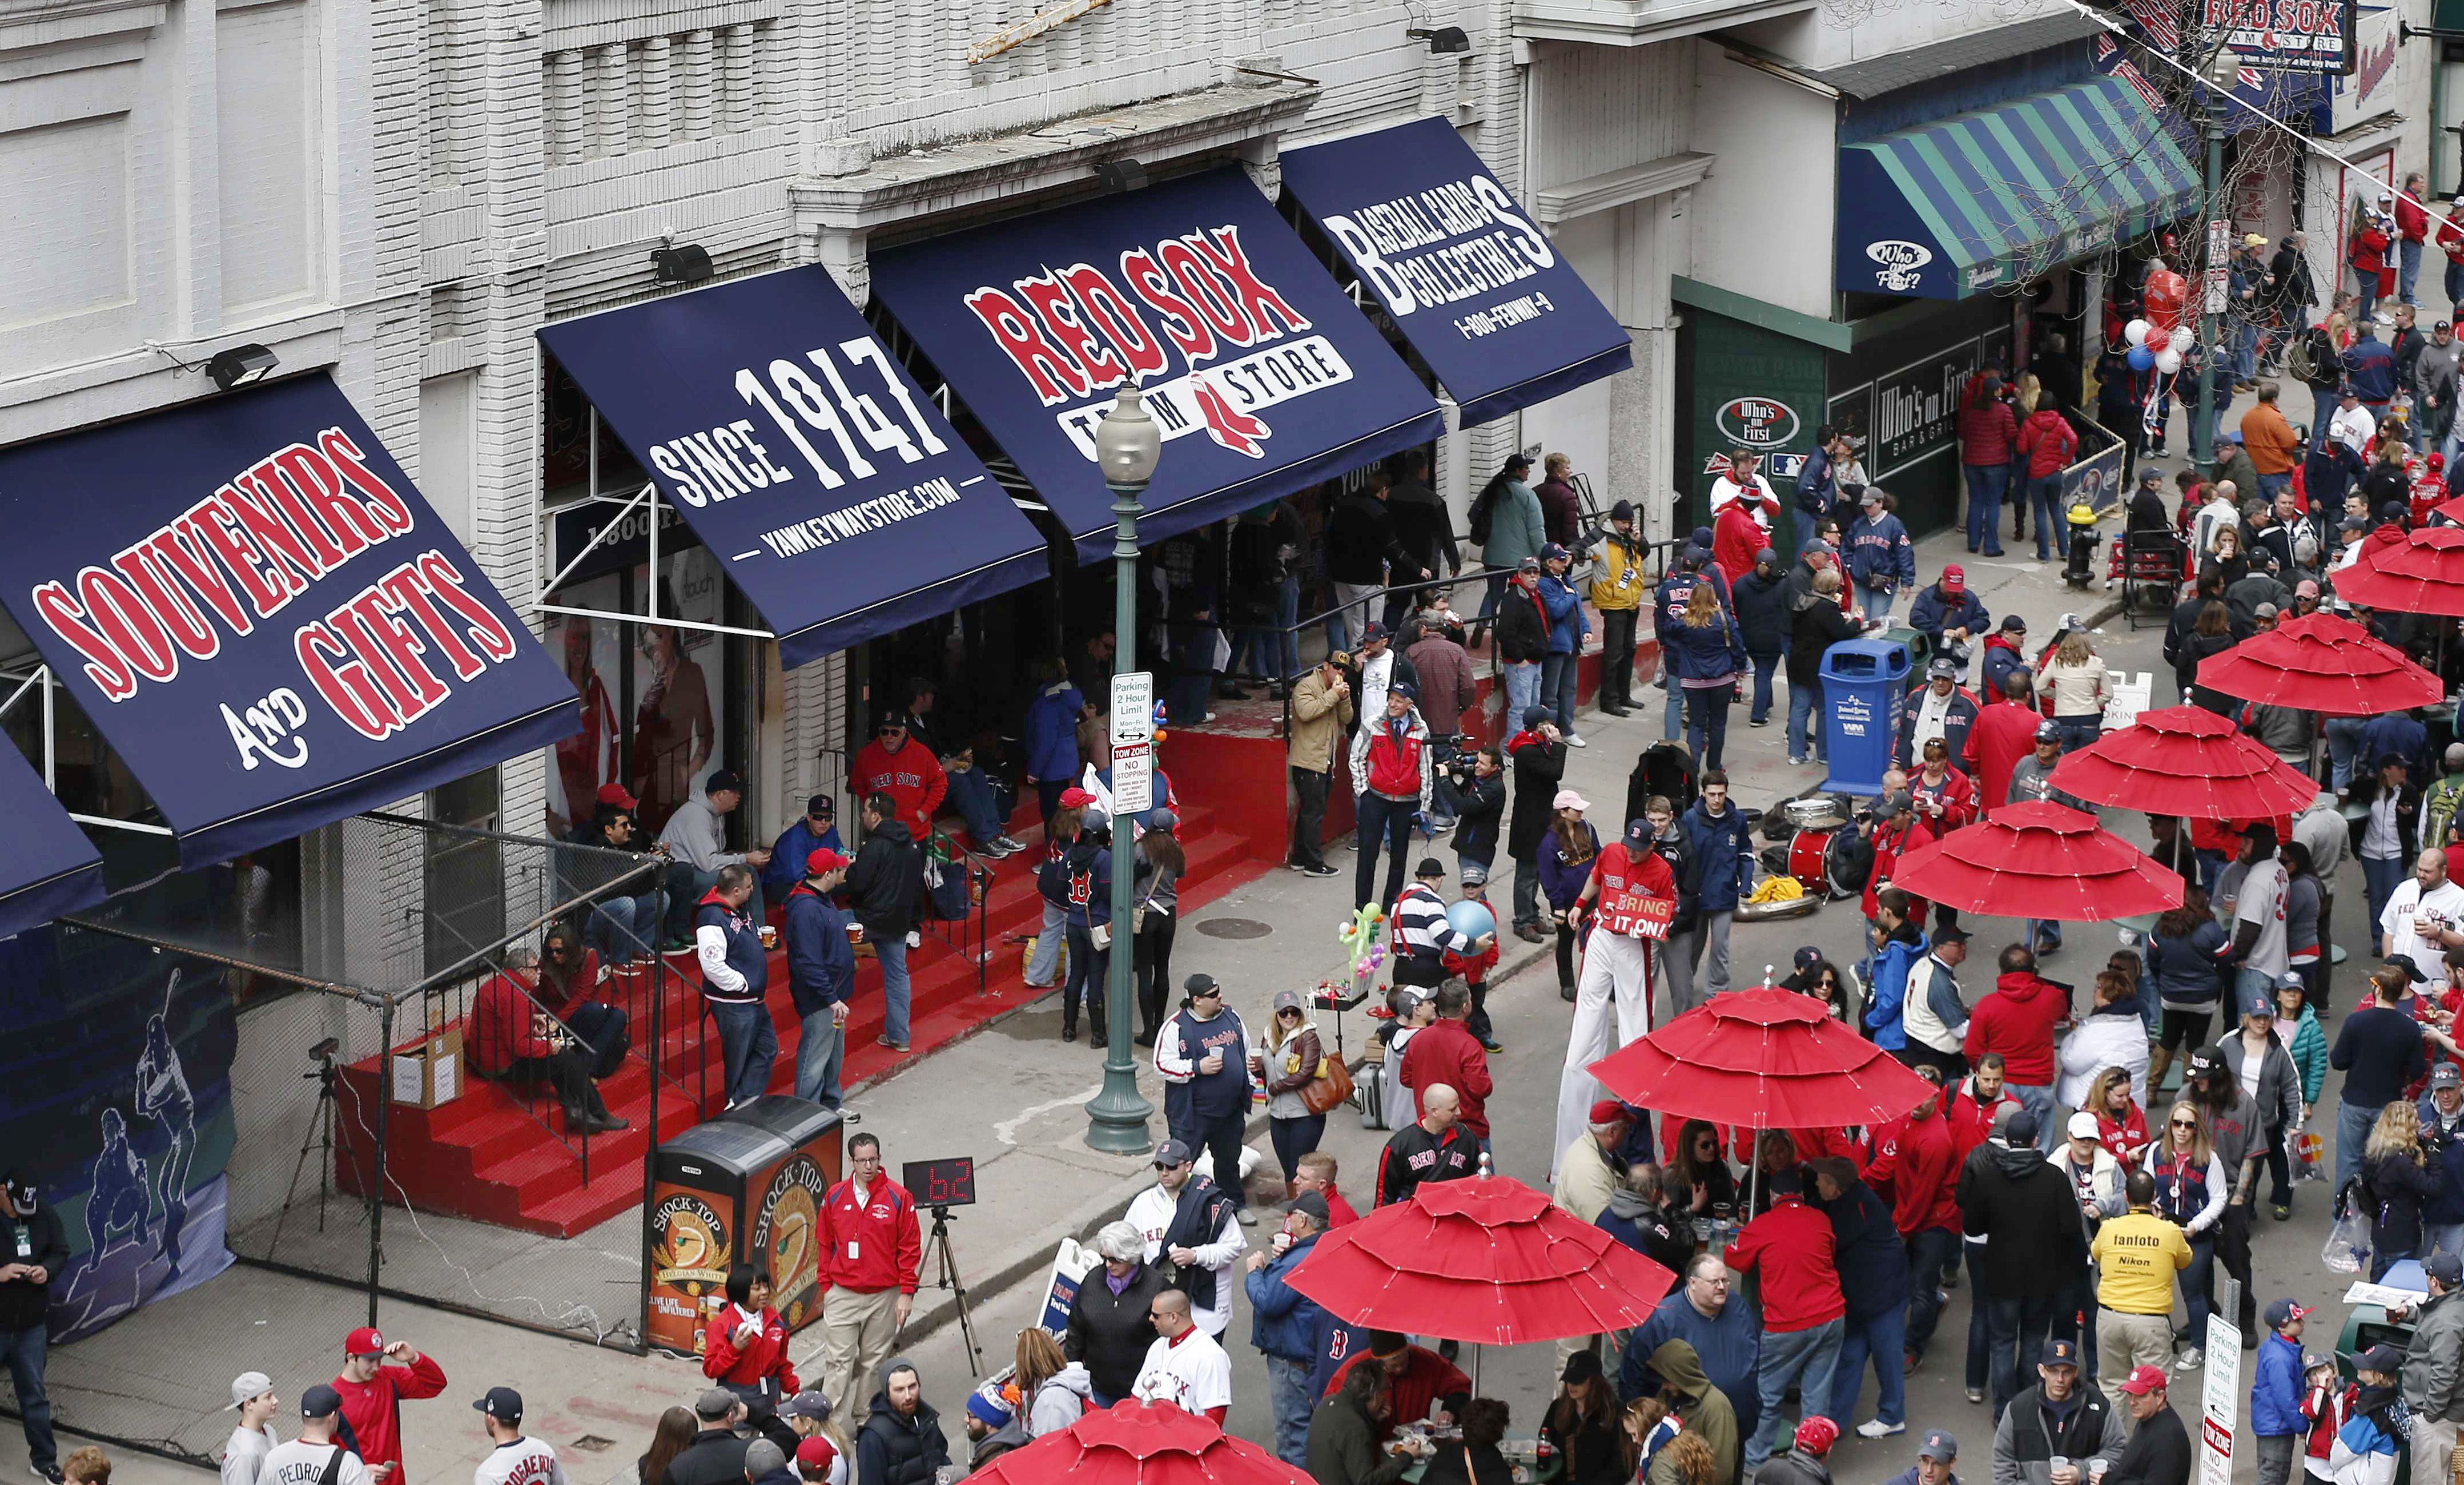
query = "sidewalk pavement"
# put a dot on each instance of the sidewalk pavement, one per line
(1011, 1096)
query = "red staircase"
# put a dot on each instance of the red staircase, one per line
(482, 1156)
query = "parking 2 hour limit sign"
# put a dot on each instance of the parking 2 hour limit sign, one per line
(1132, 725)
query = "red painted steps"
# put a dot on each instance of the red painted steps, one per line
(481, 1157)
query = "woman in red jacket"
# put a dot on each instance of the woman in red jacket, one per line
(744, 1347)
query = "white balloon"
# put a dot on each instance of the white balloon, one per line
(2181, 338)
(2134, 331)
(2169, 361)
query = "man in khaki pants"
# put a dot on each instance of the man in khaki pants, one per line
(2137, 1256)
(872, 1248)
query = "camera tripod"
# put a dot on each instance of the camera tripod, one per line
(939, 1238)
(318, 1138)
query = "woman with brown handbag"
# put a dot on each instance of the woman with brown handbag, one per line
(1291, 1064)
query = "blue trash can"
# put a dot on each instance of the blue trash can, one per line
(1860, 710)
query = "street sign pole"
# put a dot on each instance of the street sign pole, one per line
(2221, 1396)
(1117, 1116)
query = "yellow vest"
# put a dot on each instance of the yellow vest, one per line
(1617, 578)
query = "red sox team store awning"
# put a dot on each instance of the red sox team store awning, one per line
(265, 621)
(832, 491)
(1468, 276)
(1264, 377)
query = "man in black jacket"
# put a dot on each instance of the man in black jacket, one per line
(901, 1441)
(2158, 1450)
(716, 1455)
(1362, 549)
(36, 1250)
(2023, 1209)
(1538, 755)
(882, 887)
(1480, 797)
(1110, 1330)
(2056, 1417)
(1763, 618)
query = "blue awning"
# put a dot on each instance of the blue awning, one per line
(49, 866)
(264, 618)
(1998, 196)
(1469, 277)
(1201, 294)
(836, 496)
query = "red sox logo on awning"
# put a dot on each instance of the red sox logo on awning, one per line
(1196, 300)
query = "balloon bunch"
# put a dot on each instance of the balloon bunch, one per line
(2165, 356)
(1359, 935)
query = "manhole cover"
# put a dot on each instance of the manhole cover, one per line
(592, 1443)
(1234, 927)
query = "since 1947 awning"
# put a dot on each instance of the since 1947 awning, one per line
(267, 621)
(1994, 197)
(835, 495)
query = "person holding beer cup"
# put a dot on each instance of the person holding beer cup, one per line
(514, 1039)
(821, 974)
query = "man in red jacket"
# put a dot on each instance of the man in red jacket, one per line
(870, 1251)
(1916, 1168)
(1446, 1052)
(1987, 434)
(910, 776)
(372, 1394)
(2001, 735)
(2016, 1019)
(1804, 1313)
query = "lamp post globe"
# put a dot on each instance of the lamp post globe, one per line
(1129, 442)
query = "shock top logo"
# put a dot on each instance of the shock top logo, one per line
(1196, 300)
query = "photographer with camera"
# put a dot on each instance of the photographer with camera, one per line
(1478, 779)
(514, 1040)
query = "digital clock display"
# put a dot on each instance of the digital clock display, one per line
(940, 1183)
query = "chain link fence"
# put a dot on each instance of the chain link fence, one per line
(282, 1078)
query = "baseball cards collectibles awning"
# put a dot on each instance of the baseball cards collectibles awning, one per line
(50, 867)
(1264, 377)
(837, 497)
(1994, 198)
(1467, 274)
(267, 621)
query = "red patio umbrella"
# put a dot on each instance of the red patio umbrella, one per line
(2038, 860)
(2323, 664)
(1485, 1259)
(1762, 1058)
(1135, 1443)
(2186, 761)
(2420, 572)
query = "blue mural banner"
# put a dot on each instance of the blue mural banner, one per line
(117, 1067)
(267, 621)
(1464, 272)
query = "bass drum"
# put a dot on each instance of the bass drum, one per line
(1832, 862)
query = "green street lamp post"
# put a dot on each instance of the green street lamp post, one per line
(1127, 444)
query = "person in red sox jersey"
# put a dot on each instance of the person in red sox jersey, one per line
(910, 776)
(870, 1251)
(1631, 899)
(516, 1459)
(372, 1394)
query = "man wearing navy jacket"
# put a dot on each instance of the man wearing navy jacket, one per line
(821, 974)
(734, 973)
(1202, 1055)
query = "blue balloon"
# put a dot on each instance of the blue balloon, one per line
(1472, 920)
(2141, 358)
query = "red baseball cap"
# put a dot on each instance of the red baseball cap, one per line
(816, 1454)
(1609, 1111)
(1074, 797)
(823, 858)
(2143, 1380)
(1954, 578)
(615, 795)
(363, 1342)
(1816, 1435)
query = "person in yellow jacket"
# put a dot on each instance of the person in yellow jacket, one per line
(1618, 584)
(2137, 1256)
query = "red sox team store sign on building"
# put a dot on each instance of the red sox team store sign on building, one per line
(1263, 376)
(272, 629)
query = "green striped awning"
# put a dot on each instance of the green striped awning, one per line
(1998, 196)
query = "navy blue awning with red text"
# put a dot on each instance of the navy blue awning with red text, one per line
(49, 866)
(837, 497)
(1468, 276)
(1264, 377)
(265, 621)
